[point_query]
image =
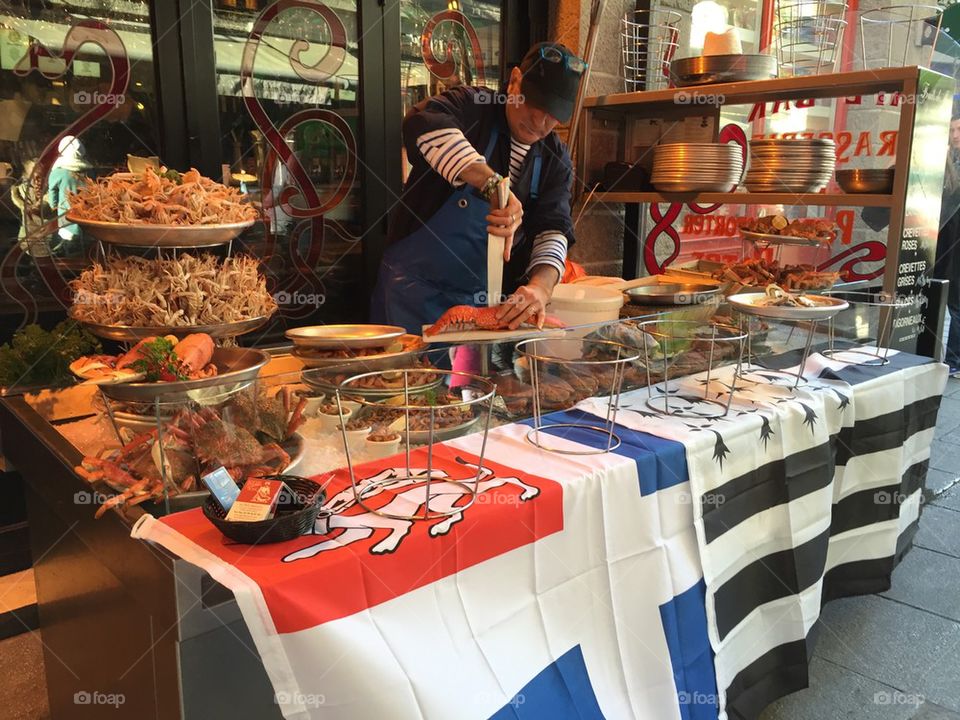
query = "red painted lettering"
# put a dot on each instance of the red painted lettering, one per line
(863, 144)
(845, 223)
(888, 140)
(843, 144)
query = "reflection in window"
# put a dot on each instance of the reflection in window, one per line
(47, 102)
(303, 84)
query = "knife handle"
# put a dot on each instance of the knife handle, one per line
(502, 196)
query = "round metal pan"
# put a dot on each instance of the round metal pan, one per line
(128, 333)
(747, 303)
(672, 294)
(318, 381)
(413, 348)
(767, 239)
(344, 336)
(710, 69)
(163, 236)
(236, 369)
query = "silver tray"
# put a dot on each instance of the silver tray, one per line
(344, 336)
(317, 381)
(237, 368)
(709, 69)
(380, 361)
(423, 436)
(163, 236)
(745, 303)
(128, 333)
(673, 294)
(767, 239)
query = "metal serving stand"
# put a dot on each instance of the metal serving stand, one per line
(886, 306)
(671, 334)
(566, 353)
(477, 394)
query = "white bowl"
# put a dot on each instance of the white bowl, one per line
(355, 438)
(312, 407)
(332, 422)
(382, 449)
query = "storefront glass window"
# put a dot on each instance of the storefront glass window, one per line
(76, 97)
(445, 43)
(287, 80)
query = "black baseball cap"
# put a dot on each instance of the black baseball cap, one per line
(551, 77)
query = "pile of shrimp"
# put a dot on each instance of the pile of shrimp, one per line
(181, 292)
(160, 199)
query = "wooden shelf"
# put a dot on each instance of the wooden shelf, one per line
(749, 198)
(860, 82)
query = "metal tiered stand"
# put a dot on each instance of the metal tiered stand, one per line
(603, 359)
(476, 397)
(674, 337)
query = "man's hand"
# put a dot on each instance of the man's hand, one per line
(529, 302)
(504, 223)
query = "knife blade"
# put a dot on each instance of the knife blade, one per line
(495, 247)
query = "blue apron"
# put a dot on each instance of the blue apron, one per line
(441, 264)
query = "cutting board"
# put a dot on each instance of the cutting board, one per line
(471, 336)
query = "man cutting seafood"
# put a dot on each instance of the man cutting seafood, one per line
(461, 145)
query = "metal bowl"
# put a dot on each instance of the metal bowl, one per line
(129, 333)
(673, 294)
(710, 69)
(866, 181)
(163, 236)
(236, 369)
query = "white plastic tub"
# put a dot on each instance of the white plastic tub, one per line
(580, 304)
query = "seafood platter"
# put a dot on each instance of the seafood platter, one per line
(777, 230)
(252, 433)
(780, 304)
(161, 208)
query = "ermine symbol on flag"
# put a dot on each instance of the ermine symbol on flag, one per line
(411, 498)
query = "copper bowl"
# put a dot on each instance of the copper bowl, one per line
(866, 181)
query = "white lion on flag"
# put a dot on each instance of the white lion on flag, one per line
(444, 498)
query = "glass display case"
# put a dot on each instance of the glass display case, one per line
(145, 446)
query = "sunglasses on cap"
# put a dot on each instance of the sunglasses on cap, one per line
(572, 62)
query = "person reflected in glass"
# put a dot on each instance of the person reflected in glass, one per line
(947, 266)
(27, 195)
(65, 178)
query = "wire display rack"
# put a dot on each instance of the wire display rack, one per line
(604, 360)
(672, 339)
(808, 35)
(886, 306)
(648, 43)
(476, 398)
(904, 30)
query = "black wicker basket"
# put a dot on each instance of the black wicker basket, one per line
(296, 514)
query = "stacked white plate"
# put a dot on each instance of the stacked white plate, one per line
(697, 167)
(800, 165)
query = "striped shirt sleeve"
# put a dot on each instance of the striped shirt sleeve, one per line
(448, 152)
(549, 248)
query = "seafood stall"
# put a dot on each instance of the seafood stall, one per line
(573, 518)
(425, 498)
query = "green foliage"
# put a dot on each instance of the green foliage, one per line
(40, 357)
